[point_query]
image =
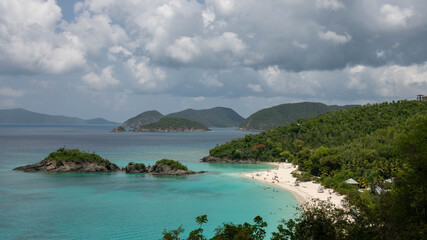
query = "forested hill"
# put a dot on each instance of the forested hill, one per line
(22, 116)
(285, 114)
(143, 119)
(354, 143)
(167, 124)
(213, 117)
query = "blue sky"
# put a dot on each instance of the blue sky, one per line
(118, 58)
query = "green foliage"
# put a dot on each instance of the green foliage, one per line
(285, 114)
(143, 119)
(197, 234)
(403, 211)
(76, 156)
(137, 166)
(172, 234)
(241, 231)
(173, 164)
(353, 143)
(227, 231)
(175, 124)
(398, 213)
(321, 221)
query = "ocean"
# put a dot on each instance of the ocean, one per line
(121, 206)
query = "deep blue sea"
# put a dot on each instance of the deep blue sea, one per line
(121, 206)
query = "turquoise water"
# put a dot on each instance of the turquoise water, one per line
(120, 206)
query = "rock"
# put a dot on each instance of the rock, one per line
(71, 161)
(119, 129)
(164, 167)
(133, 168)
(166, 170)
(53, 166)
(212, 159)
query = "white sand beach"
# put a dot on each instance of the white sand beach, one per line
(304, 191)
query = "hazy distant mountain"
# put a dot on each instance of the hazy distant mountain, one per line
(22, 116)
(213, 117)
(98, 121)
(143, 119)
(285, 114)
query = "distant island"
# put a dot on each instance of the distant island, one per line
(284, 114)
(142, 119)
(22, 116)
(75, 161)
(164, 167)
(71, 161)
(213, 117)
(173, 125)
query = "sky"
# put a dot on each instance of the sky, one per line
(118, 58)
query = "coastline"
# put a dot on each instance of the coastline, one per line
(304, 192)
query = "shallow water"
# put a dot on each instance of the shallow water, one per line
(120, 206)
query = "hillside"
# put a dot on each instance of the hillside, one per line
(285, 114)
(143, 119)
(22, 116)
(354, 143)
(167, 124)
(213, 117)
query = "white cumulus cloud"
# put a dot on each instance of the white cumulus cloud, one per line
(29, 40)
(394, 15)
(334, 37)
(184, 49)
(101, 80)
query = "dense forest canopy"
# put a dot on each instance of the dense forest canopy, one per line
(76, 156)
(384, 140)
(353, 143)
(172, 124)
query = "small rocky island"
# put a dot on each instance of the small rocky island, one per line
(173, 125)
(164, 167)
(119, 129)
(71, 161)
(75, 161)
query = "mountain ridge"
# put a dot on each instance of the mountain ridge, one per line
(23, 116)
(212, 117)
(284, 114)
(143, 118)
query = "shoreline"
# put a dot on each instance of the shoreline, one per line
(304, 191)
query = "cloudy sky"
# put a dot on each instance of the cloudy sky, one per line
(117, 58)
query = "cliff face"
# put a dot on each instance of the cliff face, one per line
(54, 166)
